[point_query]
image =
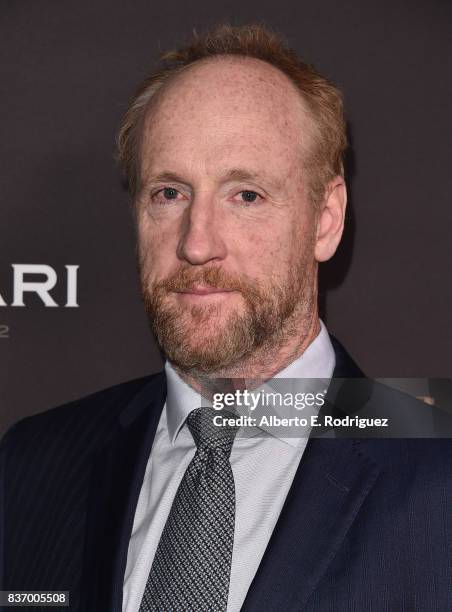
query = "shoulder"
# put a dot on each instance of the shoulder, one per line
(88, 420)
(417, 451)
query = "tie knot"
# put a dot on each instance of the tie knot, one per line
(206, 434)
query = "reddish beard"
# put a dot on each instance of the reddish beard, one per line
(204, 339)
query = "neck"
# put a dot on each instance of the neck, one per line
(265, 362)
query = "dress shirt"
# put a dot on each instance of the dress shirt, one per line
(263, 469)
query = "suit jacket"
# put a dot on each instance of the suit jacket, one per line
(366, 525)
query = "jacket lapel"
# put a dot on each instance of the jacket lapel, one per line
(116, 479)
(331, 483)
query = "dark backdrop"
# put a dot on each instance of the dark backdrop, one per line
(68, 69)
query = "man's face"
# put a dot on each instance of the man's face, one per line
(225, 232)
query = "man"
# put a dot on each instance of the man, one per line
(130, 498)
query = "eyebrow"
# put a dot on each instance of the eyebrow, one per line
(234, 174)
(240, 174)
(162, 177)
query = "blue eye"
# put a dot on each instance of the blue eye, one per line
(249, 196)
(165, 195)
(169, 193)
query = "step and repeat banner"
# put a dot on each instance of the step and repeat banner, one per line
(71, 319)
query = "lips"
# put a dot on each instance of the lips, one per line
(203, 290)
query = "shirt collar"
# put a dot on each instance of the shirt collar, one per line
(181, 399)
(317, 361)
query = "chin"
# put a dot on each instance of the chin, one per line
(205, 341)
(206, 329)
(207, 318)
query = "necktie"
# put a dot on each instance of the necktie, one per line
(192, 564)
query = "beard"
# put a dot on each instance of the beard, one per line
(209, 339)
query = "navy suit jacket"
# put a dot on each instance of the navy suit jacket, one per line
(366, 526)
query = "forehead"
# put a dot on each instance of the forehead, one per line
(222, 108)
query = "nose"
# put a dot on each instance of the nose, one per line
(202, 238)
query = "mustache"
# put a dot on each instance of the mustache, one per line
(185, 278)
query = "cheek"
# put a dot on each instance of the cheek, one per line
(282, 250)
(157, 250)
(262, 252)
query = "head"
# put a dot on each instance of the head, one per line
(233, 154)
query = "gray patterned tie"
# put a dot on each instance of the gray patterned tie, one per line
(192, 564)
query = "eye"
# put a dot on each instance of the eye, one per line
(248, 197)
(166, 194)
(169, 193)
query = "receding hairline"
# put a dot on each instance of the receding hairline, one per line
(172, 79)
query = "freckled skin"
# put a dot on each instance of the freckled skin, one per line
(217, 116)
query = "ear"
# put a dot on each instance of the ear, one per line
(330, 221)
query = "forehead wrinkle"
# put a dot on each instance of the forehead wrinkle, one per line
(216, 137)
